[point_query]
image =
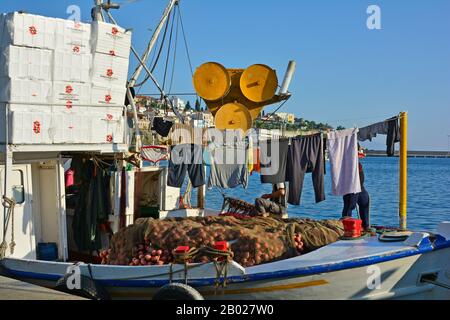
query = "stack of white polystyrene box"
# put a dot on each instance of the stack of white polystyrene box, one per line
(46, 72)
(111, 49)
(72, 63)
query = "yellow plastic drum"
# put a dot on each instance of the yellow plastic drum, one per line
(233, 116)
(259, 83)
(211, 81)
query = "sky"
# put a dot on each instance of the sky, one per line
(346, 74)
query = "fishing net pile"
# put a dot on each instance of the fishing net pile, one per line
(253, 241)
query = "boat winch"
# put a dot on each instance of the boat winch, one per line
(236, 97)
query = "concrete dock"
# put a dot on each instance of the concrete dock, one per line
(11, 289)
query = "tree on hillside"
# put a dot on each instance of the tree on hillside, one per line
(197, 106)
(188, 106)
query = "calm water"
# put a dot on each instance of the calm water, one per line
(428, 196)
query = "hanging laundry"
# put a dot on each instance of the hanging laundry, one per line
(154, 154)
(306, 155)
(393, 135)
(389, 127)
(250, 155)
(186, 158)
(186, 134)
(343, 152)
(228, 167)
(161, 126)
(257, 162)
(273, 157)
(92, 207)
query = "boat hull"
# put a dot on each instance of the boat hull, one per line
(396, 278)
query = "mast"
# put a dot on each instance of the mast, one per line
(403, 189)
(152, 42)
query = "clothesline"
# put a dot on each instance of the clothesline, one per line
(377, 118)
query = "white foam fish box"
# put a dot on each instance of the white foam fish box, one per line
(71, 93)
(26, 63)
(26, 91)
(110, 39)
(108, 96)
(72, 36)
(109, 71)
(33, 124)
(68, 66)
(22, 29)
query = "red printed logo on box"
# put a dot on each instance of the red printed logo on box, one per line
(37, 127)
(32, 30)
(109, 72)
(108, 98)
(69, 104)
(109, 138)
(109, 117)
(114, 31)
(69, 89)
(77, 25)
(76, 49)
(112, 52)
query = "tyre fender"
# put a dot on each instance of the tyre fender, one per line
(90, 289)
(177, 291)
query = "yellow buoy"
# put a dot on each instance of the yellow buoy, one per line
(211, 81)
(233, 116)
(259, 83)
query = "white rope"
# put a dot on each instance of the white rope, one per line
(9, 204)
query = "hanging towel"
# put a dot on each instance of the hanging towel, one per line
(305, 155)
(154, 154)
(228, 167)
(257, 164)
(343, 152)
(273, 157)
(250, 154)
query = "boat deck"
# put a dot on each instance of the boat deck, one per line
(338, 253)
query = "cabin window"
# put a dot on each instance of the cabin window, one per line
(18, 189)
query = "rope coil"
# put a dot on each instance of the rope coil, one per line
(9, 204)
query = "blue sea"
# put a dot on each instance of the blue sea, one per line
(428, 193)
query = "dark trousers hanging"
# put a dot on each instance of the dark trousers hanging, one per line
(186, 158)
(361, 199)
(273, 156)
(305, 155)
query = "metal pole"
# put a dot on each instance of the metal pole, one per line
(98, 10)
(152, 42)
(8, 170)
(288, 77)
(403, 201)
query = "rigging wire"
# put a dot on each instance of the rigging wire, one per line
(185, 41)
(174, 55)
(169, 47)
(152, 69)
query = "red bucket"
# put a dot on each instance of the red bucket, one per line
(352, 227)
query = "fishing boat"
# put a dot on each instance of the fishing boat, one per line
(396, 265)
